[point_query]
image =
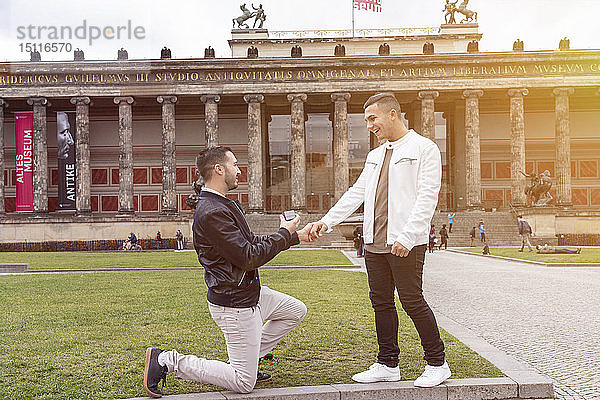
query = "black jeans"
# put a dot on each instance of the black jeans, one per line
(386, 272)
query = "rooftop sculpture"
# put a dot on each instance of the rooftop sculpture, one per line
(450, 9)
(258, 15)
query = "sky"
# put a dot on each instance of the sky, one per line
(187, 27)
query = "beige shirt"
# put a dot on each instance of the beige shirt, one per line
(381, 209)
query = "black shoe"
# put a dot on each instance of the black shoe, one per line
(154, 372)
(521, 250)
(262, 377)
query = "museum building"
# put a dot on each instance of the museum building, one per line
(289, 104)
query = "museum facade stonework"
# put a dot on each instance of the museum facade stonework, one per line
(296, 127)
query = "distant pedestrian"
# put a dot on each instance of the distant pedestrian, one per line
(432, 238)
(473, 235)
(482, 232)
(525, 232)
(158, 240)
(179, 237)
(443, 237)
(359, 243)
(451, 221)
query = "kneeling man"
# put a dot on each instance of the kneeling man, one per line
(231, 255)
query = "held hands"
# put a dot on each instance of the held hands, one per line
(399, 250)
(292, 226)
(317, 230)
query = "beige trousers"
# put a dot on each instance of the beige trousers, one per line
(248, 338)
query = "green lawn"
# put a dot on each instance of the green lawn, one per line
(83, 336)
(167, 258)
(587, 255)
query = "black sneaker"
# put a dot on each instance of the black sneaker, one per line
(262, 377)
(154, 372)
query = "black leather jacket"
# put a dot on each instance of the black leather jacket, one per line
(230, 253)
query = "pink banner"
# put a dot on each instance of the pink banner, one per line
(24, 160)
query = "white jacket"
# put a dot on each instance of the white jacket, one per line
(415, 175)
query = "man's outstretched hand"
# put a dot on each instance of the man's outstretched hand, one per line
(317, 230)
(303, 234)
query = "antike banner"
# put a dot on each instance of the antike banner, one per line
(65, 139)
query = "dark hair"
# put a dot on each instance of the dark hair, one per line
(386, 100)
(206, 160)
(519, 216)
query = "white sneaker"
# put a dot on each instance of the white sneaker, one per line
(433, 376)
(378, 373)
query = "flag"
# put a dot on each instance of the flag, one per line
(371, 5)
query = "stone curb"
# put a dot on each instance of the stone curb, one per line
(452, 389)
(74, 270)
(541, 264)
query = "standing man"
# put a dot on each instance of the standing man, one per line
(525, 232)
(443, 237)
(481, 232)
(473, 236)
(231, 255)
(451, 221)
(402, 177)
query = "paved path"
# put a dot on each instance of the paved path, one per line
(547, 317)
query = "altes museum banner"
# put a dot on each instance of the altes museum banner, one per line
(24, 160)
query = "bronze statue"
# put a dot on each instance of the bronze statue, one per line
(165, 53)
(518, 45)
(78, 55)
(339, 50)
(428, 48)
(192, 199)
(122, 54)
(564, 44)
(296, 52)
(209, 52)
(242, 18)
(470, 16)
(252, 52)
(538, 188)
(450, 9)
(473, 46)
(259, 15)
(384, 49)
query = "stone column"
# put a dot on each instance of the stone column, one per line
(125, 155)
(169, 165)
(298, 162)
(563, 146)
(413, 115)
(2, 183)
(472, 149)
(40, 155)
(82, 148)
(211, 117)
(428, 113)
(256, 200)
(341, 175)
(517, 146)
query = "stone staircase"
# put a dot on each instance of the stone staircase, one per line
(262, 224)
(501, 227)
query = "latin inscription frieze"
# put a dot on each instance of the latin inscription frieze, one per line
(203, 76)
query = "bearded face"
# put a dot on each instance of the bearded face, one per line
(64, 139)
